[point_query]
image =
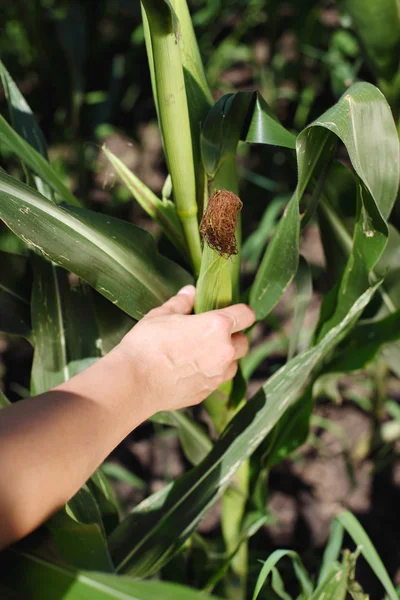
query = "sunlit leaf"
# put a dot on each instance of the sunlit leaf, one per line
(157, 528)
(40, 579)
(116, 258)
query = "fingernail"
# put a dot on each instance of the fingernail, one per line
(188, 289)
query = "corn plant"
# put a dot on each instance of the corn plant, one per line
(120, 276)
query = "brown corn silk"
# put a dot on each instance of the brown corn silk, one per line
(219, 222)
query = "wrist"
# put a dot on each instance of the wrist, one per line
(134, 393)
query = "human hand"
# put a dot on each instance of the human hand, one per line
(177, 358)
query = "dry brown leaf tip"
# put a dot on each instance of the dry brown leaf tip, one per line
(219, 222)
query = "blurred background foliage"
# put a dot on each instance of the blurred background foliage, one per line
(83, 69)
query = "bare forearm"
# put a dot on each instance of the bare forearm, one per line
(51, 444)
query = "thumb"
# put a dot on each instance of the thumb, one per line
(181, 304)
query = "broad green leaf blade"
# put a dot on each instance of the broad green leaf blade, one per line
(375, 159)
(363, 121)
(32, 576)
(163, 212)
(303, 283)
(279, 264)
(10, 140)
(265, 128)
(112, 323)
(158, 527)
(361, 538)
(298, 567)
(363, 344)
(334, 585)
(118, 259)
(64, 329)
(15, 286)
(22, 117)
(222, 130)
(103, 495)
(81, 545)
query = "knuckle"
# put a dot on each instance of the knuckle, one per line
(220, 322)
(228, 353)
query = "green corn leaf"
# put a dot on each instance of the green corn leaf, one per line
(79, 535)
(112, 323)
(118, 259)
(279, 264)
(37, 579)
(15, 287)
(264, 127)
(336, 220)
(10, 140)
(361, 538)
(299, 569)
(363, 344)
(334, 586)
(163, 521)
(375, 159)
(64, 329)
(332, 550)
(22, 118)
(103, 495)
(303, 283)
(315, 149)
(162, 211)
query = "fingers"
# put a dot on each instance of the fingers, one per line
(181, 304)
(241, 345)
(231, 371)
(228, 320)
(241, 315)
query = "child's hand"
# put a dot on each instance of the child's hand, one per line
(177, 358)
